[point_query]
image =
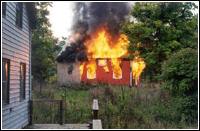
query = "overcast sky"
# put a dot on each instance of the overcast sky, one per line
(61, 18)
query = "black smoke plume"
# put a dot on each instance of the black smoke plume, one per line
(88, 17)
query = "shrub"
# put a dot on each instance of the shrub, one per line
(188, 107)
(52, 79)
(180, 75)
(180, 72)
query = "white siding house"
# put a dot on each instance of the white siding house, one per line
(18, 19)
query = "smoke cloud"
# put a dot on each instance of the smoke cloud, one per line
(88, 17)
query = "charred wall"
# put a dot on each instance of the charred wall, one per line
(67, 76)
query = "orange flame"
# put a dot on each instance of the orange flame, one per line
(138, 66)
(104, 64)
(81, 67)
(99, 46)
(91, 68)
(106, 68)
(115, 63)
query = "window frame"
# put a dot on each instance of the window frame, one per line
(22, 94)
(19, 10)
(8, 82)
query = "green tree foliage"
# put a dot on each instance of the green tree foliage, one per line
(43, 46)
(180, 72)
(161, 29)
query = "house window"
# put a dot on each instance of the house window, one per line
(22, 81)
(4, 8)
(115, 77)
(5, 80)
(19, 14)
(90, 76)
(102, 62)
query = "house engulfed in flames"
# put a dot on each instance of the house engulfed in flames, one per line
(106, 62)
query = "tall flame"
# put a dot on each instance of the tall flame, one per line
(100, 47)
(138, 66)
(81, 68)
(91, 68)
(116, 67)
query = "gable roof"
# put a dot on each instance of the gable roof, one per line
(32, 14)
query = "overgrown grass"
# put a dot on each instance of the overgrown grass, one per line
(76, 106)
(121, 106)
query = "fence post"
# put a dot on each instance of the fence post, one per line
(95, 109)
(61, 112)
(31, 112)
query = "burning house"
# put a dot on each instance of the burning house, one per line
(97, 52)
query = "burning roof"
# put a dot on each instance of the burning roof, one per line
(88, 18)
(96, 35)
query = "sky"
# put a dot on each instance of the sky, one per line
(61, 18)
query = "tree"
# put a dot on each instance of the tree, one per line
(161, 29)
(43, 46)
(180, 72)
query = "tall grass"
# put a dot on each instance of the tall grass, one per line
(139, 108)
(121, 107)
(76, 104)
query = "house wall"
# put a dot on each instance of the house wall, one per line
(107, 77)
(16, 48)
(64, 78)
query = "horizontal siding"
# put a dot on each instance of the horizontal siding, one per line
(9, 41)
(21, 34)
(15, 123)
(17, 109)
(15, 28)
(16, 69)
(18, 116)
(11, 13)
(13, 58)
(16, 82)
(25, 122)
(17, 93)
(13, 107)
(17, 77)
(10, 33)
(16, 48)
(14, 44)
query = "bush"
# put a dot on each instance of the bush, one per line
(52, 79)
(188, 107)
(180, 72)
(180, 75)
